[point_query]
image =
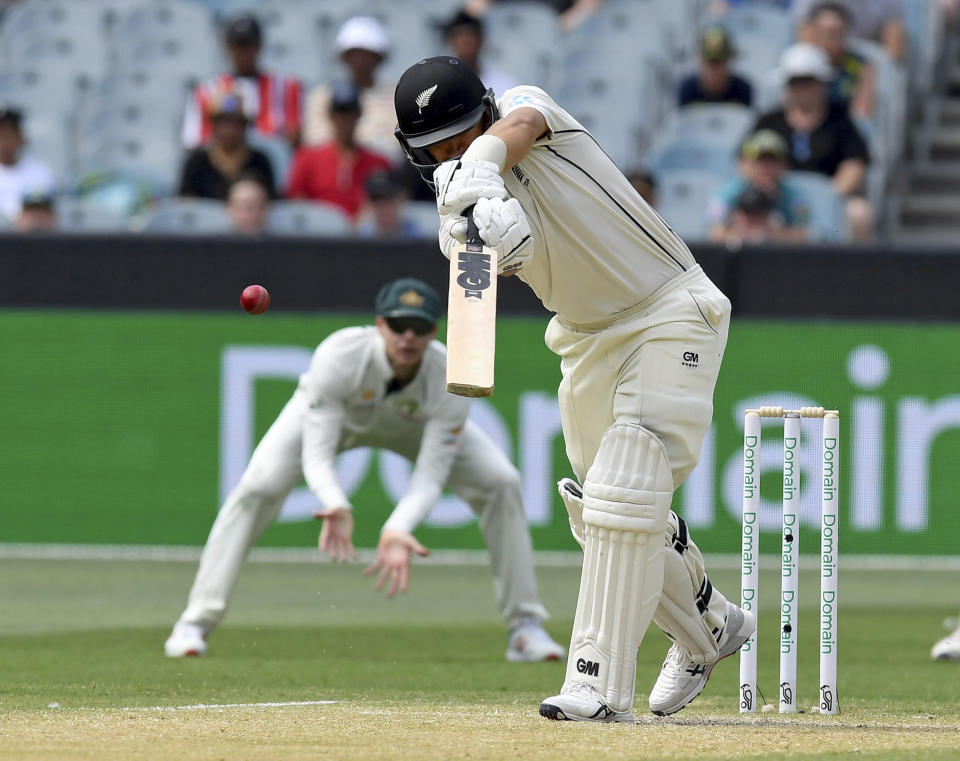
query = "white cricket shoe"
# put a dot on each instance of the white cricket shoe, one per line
(185, 639)
(530, 642)
(947, 649)
(582, 703)
(682, 678)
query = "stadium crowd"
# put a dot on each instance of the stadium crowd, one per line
(741, 121)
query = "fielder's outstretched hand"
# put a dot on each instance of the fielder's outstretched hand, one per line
(336, 536)
(393, 560)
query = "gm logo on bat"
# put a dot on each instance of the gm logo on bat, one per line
(475, 273)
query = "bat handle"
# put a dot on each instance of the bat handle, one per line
(473, 234)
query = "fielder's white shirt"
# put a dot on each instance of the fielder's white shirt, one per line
(28, 175)
(599, 248)
(346, 405)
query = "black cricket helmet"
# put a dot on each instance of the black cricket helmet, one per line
(436, 99)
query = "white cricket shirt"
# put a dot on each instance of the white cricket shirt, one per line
(346, 405)
(599, 248)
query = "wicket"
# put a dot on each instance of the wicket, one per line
(789, 553)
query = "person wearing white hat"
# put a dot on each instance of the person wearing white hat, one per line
(362, 46)
(821, 137)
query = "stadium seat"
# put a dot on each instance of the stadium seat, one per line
(828, 221)
(423, 215)
(277, 150)
(157, 157)
(82, 215)
(728, 122)
(307, 218)
(749, 23)
(170, 36)
(186, 216)
(682, 197)
(123, 192)
(292, 40)
(718, 157)
(48, 141)
(522, 39)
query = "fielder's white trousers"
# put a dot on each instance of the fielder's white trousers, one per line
(655, 364)
(481, 475)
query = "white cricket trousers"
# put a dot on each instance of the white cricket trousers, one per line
(655, 365)
(481, 475)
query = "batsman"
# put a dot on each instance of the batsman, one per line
(640, 331)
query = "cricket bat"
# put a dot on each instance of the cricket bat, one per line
(471, 315)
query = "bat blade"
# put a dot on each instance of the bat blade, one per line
(471, 316)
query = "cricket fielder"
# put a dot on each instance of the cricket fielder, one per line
(640, 331)
(379, 386)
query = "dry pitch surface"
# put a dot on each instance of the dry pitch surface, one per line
(361, 731)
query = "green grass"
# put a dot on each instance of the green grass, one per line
(88, 635)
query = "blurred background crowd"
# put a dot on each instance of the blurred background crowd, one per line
(740, 121)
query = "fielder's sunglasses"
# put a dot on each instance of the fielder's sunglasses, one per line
(401, 325)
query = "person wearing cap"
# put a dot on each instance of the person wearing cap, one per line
(19, 174)
(362, 46)
(714, 82)
(820, 136)
(382, 386)
(763, 162)
(463, 34)
(640, 331)
(37, 213)
(383, 217)
(853, 76)
(336, 171)
(210, 169)
(272, 102)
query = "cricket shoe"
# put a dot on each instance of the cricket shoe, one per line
(530, 642)
(682, 678)
(581, 702)
(185, 639)
(947, 649)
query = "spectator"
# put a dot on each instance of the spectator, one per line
(464, 36)
(733, 213)
(384, 218)
(272, 103)
(362, 46)
(821, 137)
(211, 169)
(248, 203)
(714, 82)
(853, 81)
(19, 174)
(37, 213)
(645, 184)
(881, 21)
(337, 170)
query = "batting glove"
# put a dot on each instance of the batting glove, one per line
(453, 232)
(504, 228)
(572, 496)
(462, 182)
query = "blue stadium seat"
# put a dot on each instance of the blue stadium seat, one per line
(307, 218)
(828, 220)
(123, 192)
(423, 215)
(157, 157)
(277, 150)
(168, 36)
(186, 216)
(293, 44)
(718, 157)
(682, 196)
(522, 39)
(83, 215)
(728, 122)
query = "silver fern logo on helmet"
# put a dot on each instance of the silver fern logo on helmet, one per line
(423, 99)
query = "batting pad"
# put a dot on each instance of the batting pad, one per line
(691, 611)
(626, 501)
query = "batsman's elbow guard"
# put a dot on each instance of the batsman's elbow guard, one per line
(629, 486)
(503, 226)
(453, 232)
(572, 496)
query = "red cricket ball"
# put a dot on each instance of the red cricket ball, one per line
(255, 299)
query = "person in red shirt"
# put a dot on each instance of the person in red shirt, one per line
(337, 171)
(273, 103)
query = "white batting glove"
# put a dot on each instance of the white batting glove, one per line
(504, 228)
(462, 182)
(453, 232)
